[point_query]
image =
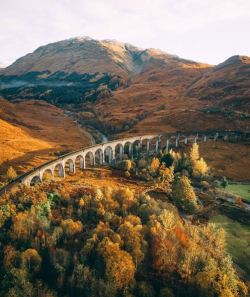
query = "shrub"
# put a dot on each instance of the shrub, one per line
(205, 185)
(216, 183)
(224, 182)
(127, 174)
(86, 115)
(125, 165)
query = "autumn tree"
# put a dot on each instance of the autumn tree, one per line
(6, 211)
(9, 256)
(132, 240)
(166, 174)
(31, 260)
(183, 194)
(199, 166)
(71, 227)
(125, 197)
(164, 247)
(194, 154)
(120, 268)
(23, 225)
(11, 173)
(17, 284)
(221, 280)
(154, 166)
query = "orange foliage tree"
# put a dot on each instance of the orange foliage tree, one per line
(120, 268)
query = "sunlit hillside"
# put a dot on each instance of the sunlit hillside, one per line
(33, 132)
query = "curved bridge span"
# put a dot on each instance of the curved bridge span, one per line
(111, 151)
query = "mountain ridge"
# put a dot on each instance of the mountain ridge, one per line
(79, 54)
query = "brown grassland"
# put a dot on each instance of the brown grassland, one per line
(33, 131)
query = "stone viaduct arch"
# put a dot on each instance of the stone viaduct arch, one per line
(107, 153)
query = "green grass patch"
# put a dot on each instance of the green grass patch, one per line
(240, 189)
(237, 239)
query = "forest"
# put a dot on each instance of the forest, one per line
(115, 241)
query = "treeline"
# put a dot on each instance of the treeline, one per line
(60, 88)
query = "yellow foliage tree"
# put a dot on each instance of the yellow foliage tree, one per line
(11, 173)
(132, 238)
(164, 247)
(199, 165)
(175, 155)
(71, 227)
(155, 164)
(126, 198)
(166, 174)
(23, 225)
(194, 152)
(183, 193)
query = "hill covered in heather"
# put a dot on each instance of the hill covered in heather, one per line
(128, 89)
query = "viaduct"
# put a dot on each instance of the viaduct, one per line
(111, 151)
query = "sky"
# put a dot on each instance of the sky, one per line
(207, 31)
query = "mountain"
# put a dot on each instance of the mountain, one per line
(86, 55)
(82, 70)
(132, 90)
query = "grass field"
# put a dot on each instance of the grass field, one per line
(238, 240)
(240, 189)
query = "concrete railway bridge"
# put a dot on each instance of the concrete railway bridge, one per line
(111, 151)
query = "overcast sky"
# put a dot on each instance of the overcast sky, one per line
(202, 30)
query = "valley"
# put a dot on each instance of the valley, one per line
(123, 172)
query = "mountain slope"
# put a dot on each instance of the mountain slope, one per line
(227, 84)
(132, 90)
(30, 134)
(82, 70)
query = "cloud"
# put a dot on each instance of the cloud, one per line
(27, 24)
